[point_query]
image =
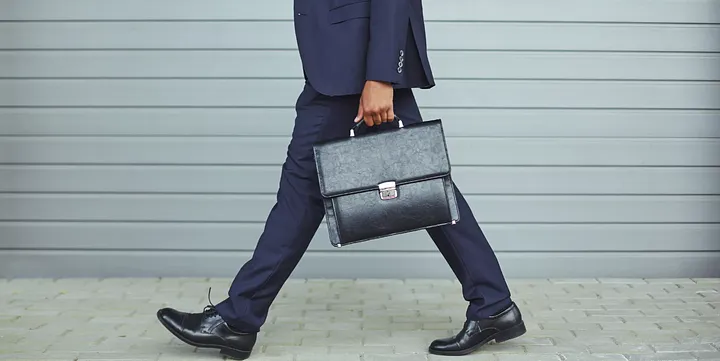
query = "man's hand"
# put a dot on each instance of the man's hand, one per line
(376, 103)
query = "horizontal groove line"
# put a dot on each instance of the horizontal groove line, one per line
(197, 222)
(271, 194)
(432, 50)
(266, 136)
(344, 250)
(517, 50)
(427, 21)
(291, 108)
(568, 80)
(287, 137)
(32, 107)
(138, 107)
(279, 164)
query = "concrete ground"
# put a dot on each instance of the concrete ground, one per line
(370, 320)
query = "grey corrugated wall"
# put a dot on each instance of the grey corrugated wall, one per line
(145, 137)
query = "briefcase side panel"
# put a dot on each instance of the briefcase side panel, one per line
(415, 152)
(452, 199)
(331, 221)
(364, 215)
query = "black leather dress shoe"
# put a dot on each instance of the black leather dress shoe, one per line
(208, 330)
(504, 326)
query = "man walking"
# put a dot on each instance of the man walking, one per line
(361, 59)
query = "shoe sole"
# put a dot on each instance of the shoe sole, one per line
(229, 352)
(507, 335)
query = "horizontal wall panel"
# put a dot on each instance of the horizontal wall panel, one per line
(281, 92)
(272, 150)
(150, 63)
(264, 179)
(280, 35)
(574, 37)
(279, 122)
(697, 11)
(254, 208)
(244, 236)
(54, 264)
(286, 63)
(665, 11)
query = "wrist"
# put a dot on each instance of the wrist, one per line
(378, 83)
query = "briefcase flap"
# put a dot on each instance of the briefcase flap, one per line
(361, 163)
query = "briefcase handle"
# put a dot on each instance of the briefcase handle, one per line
(361, 123)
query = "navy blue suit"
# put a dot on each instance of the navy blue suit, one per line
(342, 44)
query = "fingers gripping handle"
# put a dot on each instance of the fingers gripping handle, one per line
(359, 124)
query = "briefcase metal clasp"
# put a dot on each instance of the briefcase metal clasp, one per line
(388, 190)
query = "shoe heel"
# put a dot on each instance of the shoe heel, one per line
(511, 333)
(235, 354)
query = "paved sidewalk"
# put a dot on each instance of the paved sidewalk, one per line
(365, 320)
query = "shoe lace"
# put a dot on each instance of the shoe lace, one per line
(210, 309)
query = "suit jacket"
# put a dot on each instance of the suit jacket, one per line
(343, 43)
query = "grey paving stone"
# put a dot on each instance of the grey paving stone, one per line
(276, 350)
(624, 281)
(650, 319)
(331, 340)
(707, 356)
(120, 356)
(530, 357)
(311, 357)
(584, 341)
(283, 326)
(631, 326)
(663, 357)
(700, 347)
(370, 326)
(439, 326)
(333, 349)
(597, 319)
(684, 306)
(288, 337)
(593, 357)
(621, 349)
(577, 326)
(566, 348)
(395, 357)
(554, 333)
(695, 326)
(553, 315)
(664, 313)
(700, 339)
(538, 341)
(644, 339)
(471, 357)
(634, 306)
(639, 312)
(583, 281)
(709, 313)
(504, 348)
(25, 356)
(674, 333)
(677, 281)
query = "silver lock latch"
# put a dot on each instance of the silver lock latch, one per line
(388, 190)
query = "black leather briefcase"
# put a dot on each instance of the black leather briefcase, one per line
(385, 183)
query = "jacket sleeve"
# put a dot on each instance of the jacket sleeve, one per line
(389, 22)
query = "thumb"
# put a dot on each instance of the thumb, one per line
(360, 113)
